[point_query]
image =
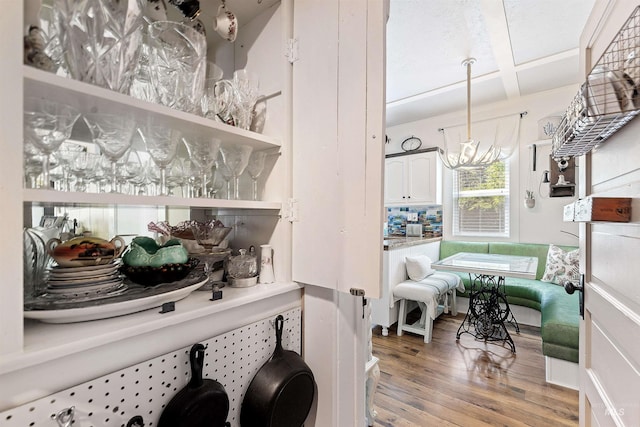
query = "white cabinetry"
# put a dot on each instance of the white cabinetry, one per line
(301, 112)
(412, 179)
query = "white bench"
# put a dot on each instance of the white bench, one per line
(435, 294)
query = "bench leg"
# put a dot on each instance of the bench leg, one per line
(454, 307)
(428, 330)
(402, 316)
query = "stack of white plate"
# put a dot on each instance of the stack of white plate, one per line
(84, 281)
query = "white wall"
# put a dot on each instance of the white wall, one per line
(543, 223)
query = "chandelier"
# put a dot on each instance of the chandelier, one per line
(469, 154)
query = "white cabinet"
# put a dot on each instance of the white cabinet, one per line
(321, 199)
(412, 179)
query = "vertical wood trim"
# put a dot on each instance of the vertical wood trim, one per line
(11, 214)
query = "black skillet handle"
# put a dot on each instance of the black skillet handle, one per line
(279, 329)
(196, 357)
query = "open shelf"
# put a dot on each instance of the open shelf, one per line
(76, 199)
(90, 98)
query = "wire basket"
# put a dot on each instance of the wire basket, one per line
(609, 98)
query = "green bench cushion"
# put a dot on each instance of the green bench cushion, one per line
(559, 311)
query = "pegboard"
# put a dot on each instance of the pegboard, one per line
(145, 388)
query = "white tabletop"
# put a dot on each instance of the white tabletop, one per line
(490, 264)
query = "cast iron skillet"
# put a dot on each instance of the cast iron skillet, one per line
(282, 392)
(202, 402)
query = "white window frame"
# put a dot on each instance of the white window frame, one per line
(456, 194)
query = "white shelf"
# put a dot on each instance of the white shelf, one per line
(62, 198)
(90, 98)
(46, 342)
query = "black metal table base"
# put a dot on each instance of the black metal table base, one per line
(488, 312)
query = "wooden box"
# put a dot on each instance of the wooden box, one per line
(568, 214)
(613, 209)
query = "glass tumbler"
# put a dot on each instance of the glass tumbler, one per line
(177, 63)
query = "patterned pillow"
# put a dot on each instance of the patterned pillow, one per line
(561, 265)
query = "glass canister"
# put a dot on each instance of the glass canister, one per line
(243, 269)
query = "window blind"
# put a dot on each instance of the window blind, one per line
(481, 201)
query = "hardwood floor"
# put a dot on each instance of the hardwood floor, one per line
(466, 383)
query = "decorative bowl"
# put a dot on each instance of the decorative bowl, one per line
(145, 252)
(152, 276)
(85, 251)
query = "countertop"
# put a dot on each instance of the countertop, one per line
(402, 242)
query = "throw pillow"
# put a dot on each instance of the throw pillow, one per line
(561, 265)
(418, 267)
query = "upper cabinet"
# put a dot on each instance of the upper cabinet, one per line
(412, 179)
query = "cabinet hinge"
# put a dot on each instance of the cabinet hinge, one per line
(291, 51)
(356, 292)
(291, 210)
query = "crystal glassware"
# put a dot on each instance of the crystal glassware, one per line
(101, 40)
(236, 159)
(203, 152)
(254, 169)
(162, 145)
(82, 167)
(247, 85)
(113, 133)
(224, 173)
(177, 63)
(66, 154)
(47, 125)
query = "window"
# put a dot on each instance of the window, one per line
(481, 201)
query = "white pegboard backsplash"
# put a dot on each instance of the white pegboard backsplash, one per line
(144, 389)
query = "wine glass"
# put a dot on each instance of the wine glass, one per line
(129, 166)
(47, 124)
(162, 144)
(203, 152)
(236, 159)
(66, 155)
(114, 135)
(224, 173)
(83, 165)
(255, 168)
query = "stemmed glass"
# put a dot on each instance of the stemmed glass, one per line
(236, 159)
(130, 166)
(47, 125)
(83, 165)
(162, 144)
(255, 168)
(114, 135)
(66, 155)
(203, 152)
(224, 173)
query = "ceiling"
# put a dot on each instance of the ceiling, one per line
(521, 47)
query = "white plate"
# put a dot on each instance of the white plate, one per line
(105, 311)
(82, 290)
(53, 282)
(103, 267)
(82, 274)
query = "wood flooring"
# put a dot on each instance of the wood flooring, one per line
(466, 383)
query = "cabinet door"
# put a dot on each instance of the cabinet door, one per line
(422, 178)
(395, 179)
(338, 144)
